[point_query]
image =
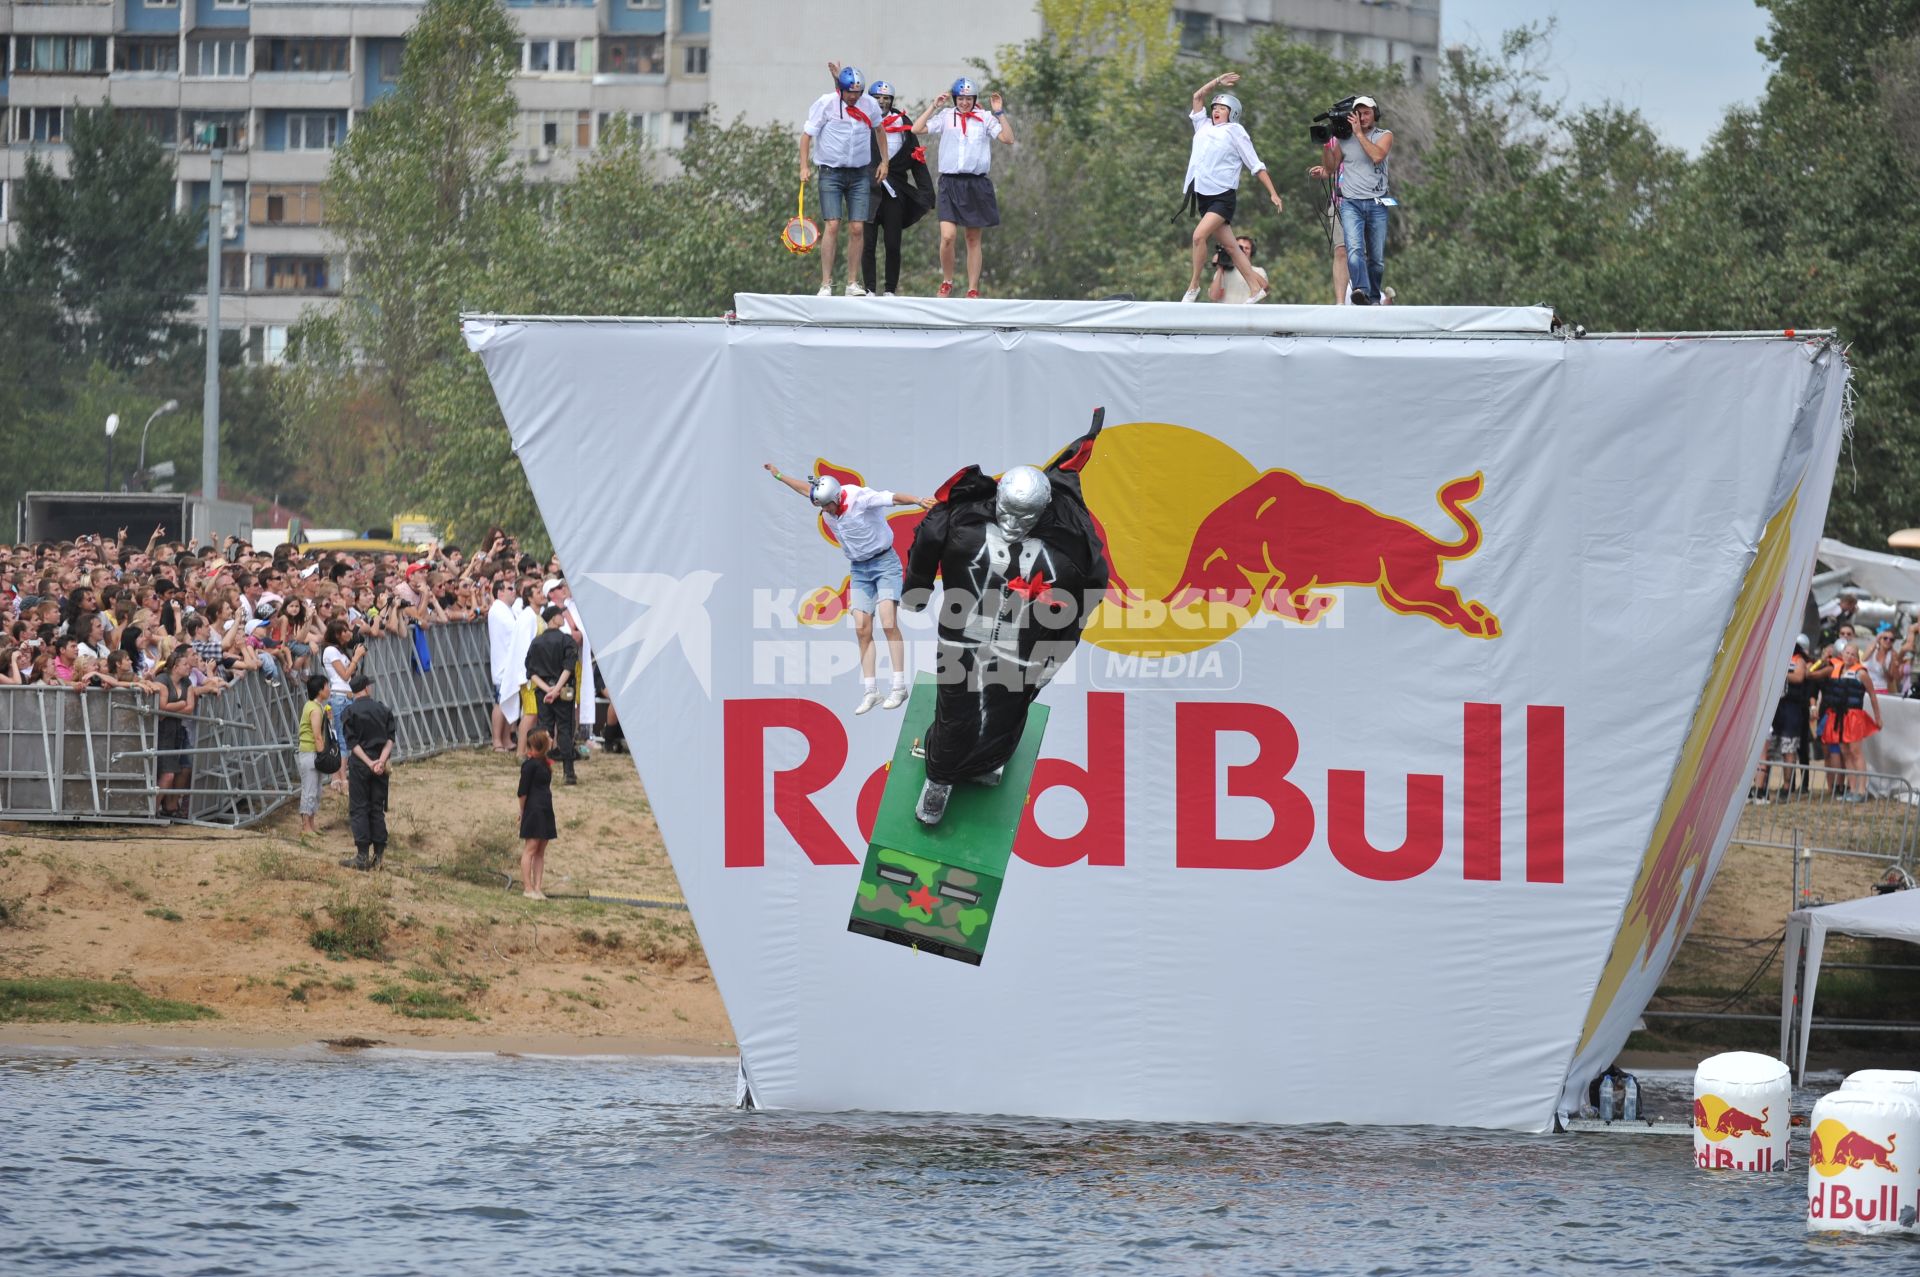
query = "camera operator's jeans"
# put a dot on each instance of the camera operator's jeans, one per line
(1364, 222)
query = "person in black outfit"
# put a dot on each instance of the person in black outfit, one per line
(550, 663)
(536, 814)
(912, 194)
(369, 729)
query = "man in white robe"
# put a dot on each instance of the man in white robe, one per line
(506, 690)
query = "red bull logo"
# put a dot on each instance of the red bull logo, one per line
(1715, 1121)
(1835, 1149)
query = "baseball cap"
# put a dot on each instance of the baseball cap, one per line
(1801, 640)
(1366, 101)
(360, 682)
(553, 583)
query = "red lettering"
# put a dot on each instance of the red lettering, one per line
(1101, 784)
(1546, 793)
(866, 808)
(744, 767)
(1723, 1158)
(1198, 845)
(1839, 1202)
(1480, 792)
(1347, 828)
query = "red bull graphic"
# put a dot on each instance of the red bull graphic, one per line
(1725, 1136)
(1276, 543)
(1865, 1195)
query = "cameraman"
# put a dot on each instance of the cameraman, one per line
(1364, 201)
(1229, 285)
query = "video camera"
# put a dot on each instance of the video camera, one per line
(1338, 123)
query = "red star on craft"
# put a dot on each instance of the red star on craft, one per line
(1036, 588)
(921, 898)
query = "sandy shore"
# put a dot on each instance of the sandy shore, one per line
(215, 1036)
(251, 924)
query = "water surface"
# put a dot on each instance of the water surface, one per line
(390, 1162)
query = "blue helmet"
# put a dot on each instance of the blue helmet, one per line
(850, 78)
(963, 88)
(880, 89)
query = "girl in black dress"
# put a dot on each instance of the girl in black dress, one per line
(536, 813)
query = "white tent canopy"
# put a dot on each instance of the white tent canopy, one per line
(1895, 916)
(1886, 576)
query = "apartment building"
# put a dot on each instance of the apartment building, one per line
(1402, 33)
(280, 82)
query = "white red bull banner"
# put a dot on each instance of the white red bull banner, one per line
(1394, 762)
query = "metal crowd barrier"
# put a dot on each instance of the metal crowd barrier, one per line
(68, 754)
(1803, 814)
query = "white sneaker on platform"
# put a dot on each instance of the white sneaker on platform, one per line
(855, 290)
(1256, 297)
(1190, 295)
(867, 702)
(895, 699)
(887, 294)
(826, 290)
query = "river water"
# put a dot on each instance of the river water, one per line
(392, 1162)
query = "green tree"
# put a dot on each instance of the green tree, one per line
(106, 248)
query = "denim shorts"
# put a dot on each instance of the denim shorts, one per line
(875, 579)
(845, 192)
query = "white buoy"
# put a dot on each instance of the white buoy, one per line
(1900, 1081)
(1740, 1113)
(1863, 1163)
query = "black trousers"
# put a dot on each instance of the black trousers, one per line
(889, 213)
(557, 719)
(366, 806)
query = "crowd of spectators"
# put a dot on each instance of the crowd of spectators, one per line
(179, 620)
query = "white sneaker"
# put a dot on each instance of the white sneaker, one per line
(895, 698)
(1190, 295)
(886, 294)
(826, 290)
(1256, 297)
(867, 702)
(855, 290)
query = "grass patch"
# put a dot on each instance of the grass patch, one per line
(90, 1002)
(278, 866)
(13, 911)
(422, 1004)
(359, 930)
(488, 860)
(164, 914)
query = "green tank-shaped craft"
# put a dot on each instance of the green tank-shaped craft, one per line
(935, 888)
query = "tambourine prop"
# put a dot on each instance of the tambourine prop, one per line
(801, 235)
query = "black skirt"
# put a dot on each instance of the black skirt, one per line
(967, 199)
(536, 786)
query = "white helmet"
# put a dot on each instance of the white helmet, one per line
(1020, 501)
(1229, 101)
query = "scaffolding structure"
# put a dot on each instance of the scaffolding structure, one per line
(68, 754)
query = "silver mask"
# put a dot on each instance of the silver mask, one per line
(1021, 500)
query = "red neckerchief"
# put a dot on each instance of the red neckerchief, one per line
(896, 123)
(920, 154)
(845, 503)
(857, 114)
(964, 116)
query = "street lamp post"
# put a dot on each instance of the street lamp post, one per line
(161, 411)
(113, 426)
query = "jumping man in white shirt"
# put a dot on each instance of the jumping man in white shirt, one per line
(839, 135)
(1220, 147)
(857, 517)
(965, 197)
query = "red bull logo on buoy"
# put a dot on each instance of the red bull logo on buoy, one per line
(1717, 1121)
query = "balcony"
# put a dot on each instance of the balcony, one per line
(72, 17)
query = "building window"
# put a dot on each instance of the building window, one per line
(3, 202)
(646, 4)
(548, 57)
(267, 343)
(1196, 30)
(312, 131)
(1419, 68)
(295, 204)
(233, 272)
(684, 122)
(163, 126)
(301, 55)
(293, 274)
(229, 4)
(560, 129)
(705, 6)
(695, 62)
(161, 4)
(146, 55)
(229, 131)
(47, 124)
(635, 55)
(219, 59)
(61, 54)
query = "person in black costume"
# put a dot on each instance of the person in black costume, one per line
(550, 663)
(900, 201)
(1022, 566)
(369, 728)
(536, 814)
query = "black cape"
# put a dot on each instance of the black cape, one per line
(1010, 615)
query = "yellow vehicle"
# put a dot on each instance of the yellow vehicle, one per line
(410, 532)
